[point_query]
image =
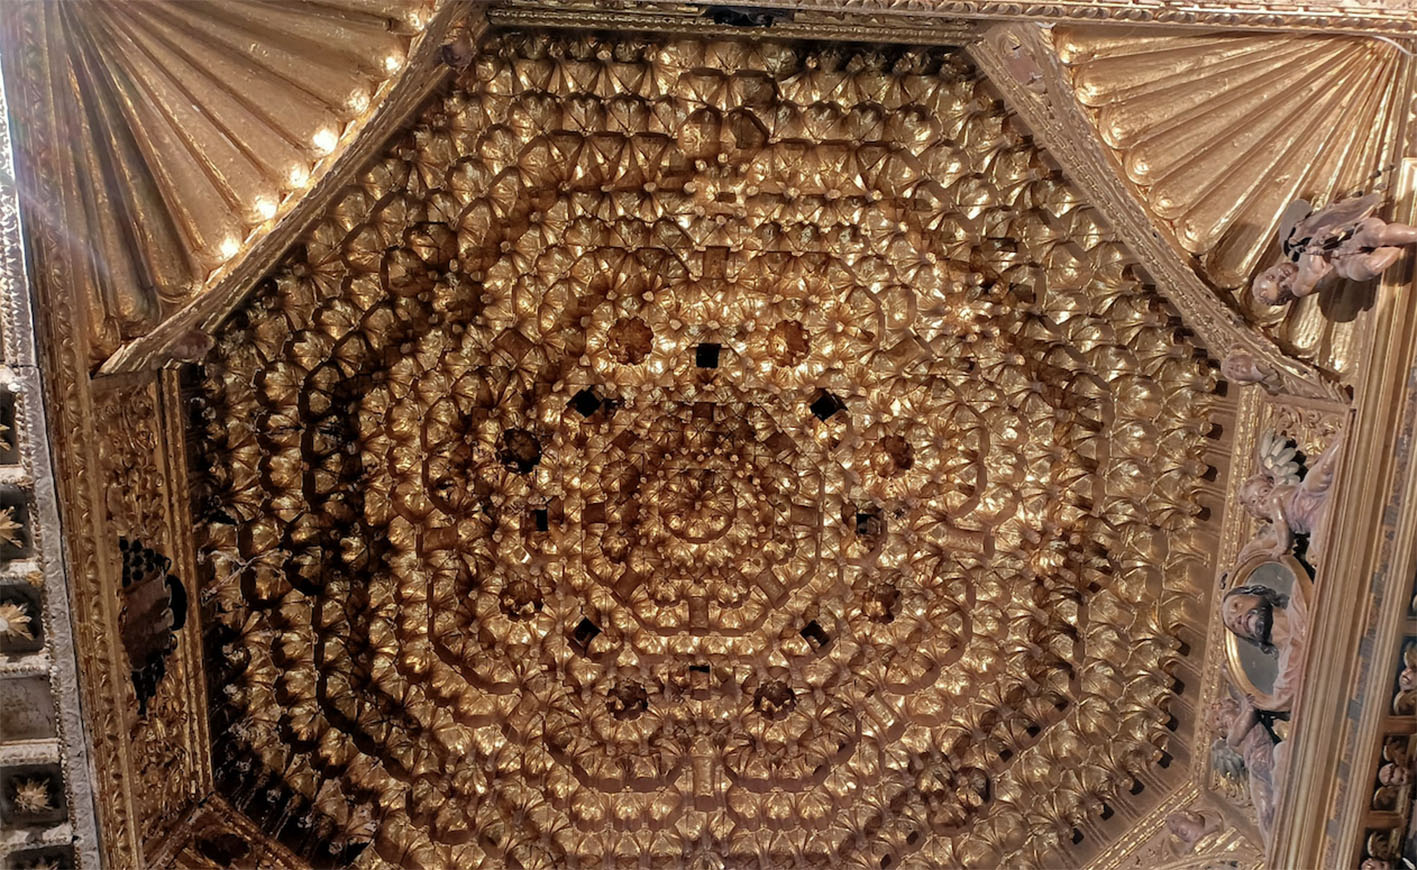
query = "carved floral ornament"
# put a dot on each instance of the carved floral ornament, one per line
(718, 474)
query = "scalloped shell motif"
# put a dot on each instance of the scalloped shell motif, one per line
(1219, 132)
(200, 124)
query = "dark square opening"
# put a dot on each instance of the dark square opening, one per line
(45, 777)
(706, 356)
(584, 633)
(540, 519)
(585, 402)
(27, 600)
(869, 523)
(815, 635)
(826, 404)
(9, 442)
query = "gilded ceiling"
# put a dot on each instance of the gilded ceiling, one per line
(678, 433)
(701, 451)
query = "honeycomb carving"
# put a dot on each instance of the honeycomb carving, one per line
(524, 575)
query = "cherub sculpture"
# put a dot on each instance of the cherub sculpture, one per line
(1245, 750)
(1291, 499)
(1188, 828)
(1342, 237)
(1241, 367)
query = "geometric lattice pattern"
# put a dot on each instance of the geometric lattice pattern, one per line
(700, 452)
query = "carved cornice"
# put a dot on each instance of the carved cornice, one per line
(1252, 415)
(1044, 102)
(1363, 596)
(630, 15)
(52, 173)
(44, 679)
(1394, 18)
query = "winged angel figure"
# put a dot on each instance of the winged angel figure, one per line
(1246, 751)
(1342, 237)
(1291, 498)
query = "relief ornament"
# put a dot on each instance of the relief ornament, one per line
(1246, 749)
(1342, 238)
(1291, 497)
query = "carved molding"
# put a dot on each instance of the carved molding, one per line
(39, 682)
(1237, 527)
(165, 742)
(63, 275)
(1364, 595)
(630, 15)
(1393, 17)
